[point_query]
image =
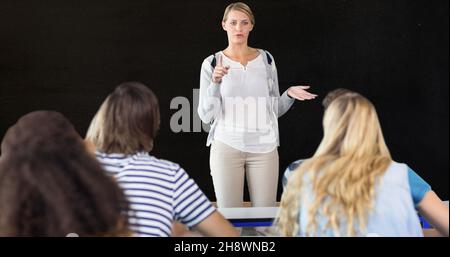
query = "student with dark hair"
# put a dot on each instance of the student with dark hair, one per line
(160, 192)
(50, 185)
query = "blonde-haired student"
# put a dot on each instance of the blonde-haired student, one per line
(351, 186)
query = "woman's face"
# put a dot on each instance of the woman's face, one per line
(237, 26)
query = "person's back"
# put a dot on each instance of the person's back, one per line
(351, 186)
(50, 185)
(158, 190)
(392, 214)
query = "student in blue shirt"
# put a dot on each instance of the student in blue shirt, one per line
(425, 200)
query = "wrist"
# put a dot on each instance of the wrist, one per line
(287, 93)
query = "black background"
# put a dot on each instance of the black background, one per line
(68, 55)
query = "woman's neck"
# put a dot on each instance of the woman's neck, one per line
(238, 50)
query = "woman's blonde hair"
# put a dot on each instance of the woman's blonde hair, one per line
(343, 170)
(241, 7)
(127, 121)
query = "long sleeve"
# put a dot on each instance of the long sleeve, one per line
(284, 101)
(210, 99)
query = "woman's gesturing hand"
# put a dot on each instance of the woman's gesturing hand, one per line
(219, 71)
(299, 93)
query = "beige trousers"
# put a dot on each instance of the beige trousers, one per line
(228, 168)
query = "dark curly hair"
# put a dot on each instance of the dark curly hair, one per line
(50, 185)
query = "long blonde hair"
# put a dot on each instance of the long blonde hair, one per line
(343, 170)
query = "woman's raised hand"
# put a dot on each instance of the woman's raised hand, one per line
(219, 71)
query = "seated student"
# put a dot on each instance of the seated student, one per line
(325, 103)
(428, 204)
(50, 185)
(160, 192)
(351, 186)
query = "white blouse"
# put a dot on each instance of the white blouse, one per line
(245, 124)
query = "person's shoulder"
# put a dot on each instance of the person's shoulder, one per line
(396, 173)
(291, 168)
(207, 64)
(111, 158)
(150, 162)
(209, 59)
(268, 57)
(294, 165)
(100, 154)
(264, 51)
(396, 166)
(170, 164)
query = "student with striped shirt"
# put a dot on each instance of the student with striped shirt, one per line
(159, 192)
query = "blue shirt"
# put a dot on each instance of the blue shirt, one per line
(417, 185)
(392, 212)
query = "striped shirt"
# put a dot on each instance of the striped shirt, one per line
(158, 192)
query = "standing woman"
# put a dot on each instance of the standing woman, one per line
(239, 96)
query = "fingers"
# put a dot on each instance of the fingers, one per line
(304, 94)
(299, 92)
(301, 89)
(303, 98)
(219, 72)
(219, 61)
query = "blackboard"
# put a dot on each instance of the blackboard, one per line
(67, 56)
